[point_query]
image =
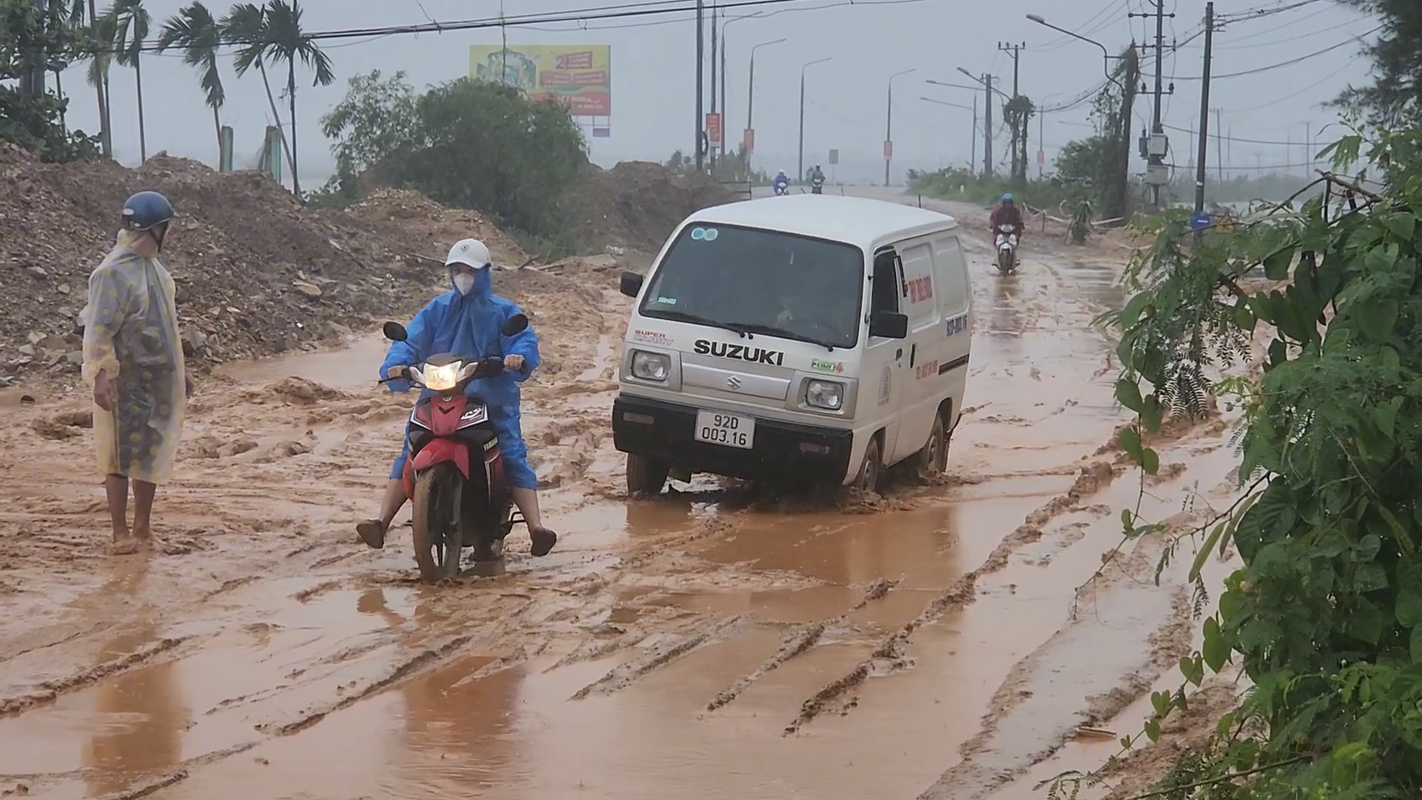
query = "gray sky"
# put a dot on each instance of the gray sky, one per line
(653, 76)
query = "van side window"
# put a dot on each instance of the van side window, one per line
(952, 276)
(886, 282)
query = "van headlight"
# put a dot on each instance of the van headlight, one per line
(650, 366)
(828, 395)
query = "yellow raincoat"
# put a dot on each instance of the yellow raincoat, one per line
(131, 331)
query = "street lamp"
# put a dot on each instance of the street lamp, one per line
(750, 95)
(980, 82)
(724, 25)
(973, 134)
(889, 124)
(801, 174)
(1106, 54)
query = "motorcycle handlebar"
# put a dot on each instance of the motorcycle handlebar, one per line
(485, 367)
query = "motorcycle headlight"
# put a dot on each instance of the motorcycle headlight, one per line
(442, 378)
(828, 395)
(650, 366)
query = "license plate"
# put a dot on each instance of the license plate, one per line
(728, 430)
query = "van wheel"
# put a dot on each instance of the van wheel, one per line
(870, 469)
(932, 460)
(646, 476)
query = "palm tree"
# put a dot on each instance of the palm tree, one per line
(103, 33)
(245, 28)
(274, 33)
(130, 27)
(196, 31)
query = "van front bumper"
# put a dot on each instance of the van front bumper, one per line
(664, 431)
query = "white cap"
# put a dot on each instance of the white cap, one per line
(470, 252)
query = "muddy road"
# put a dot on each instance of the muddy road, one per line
(707, 644)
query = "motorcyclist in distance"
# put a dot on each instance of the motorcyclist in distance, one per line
(1007, 214)
(781, 182)
(467, 321)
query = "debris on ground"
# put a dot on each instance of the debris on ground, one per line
(635, 205)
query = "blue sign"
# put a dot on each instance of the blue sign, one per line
(1199, 221)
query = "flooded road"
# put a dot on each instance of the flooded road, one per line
(705, 644)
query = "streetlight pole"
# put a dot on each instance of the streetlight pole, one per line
(750, 97)
(986, 82)
(726, 21)
(700, 85)
(800, 175)
(1105, 54)
(889, 124)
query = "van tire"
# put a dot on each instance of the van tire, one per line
(646, 476)
(932, 460)
(871, 468)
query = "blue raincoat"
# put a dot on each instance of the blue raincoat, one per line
(469, 326)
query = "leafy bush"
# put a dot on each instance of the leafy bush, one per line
(464, 143)
(1325, 615)
(956, 183)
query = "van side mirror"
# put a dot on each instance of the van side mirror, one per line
(516, 324)
(888, 324)
(394, 331)
(630, 284)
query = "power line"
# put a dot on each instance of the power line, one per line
(757, 15)
(1353, 40)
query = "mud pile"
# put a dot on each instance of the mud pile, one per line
(419, 217)
(255, 272)
(635, 205)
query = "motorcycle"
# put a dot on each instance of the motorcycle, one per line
(782, 188)
(454, 476)
(817, 185)
(1006, 249)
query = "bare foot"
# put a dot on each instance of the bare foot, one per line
(124, 544)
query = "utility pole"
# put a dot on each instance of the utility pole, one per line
(987, 128)
(973, 141)
(700, 84)
(1201, 168)
(714, 43)
(1158, 143)
(1041, 126)
(1019, 133)
(724, 109)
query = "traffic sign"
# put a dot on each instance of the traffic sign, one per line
(1200, 220)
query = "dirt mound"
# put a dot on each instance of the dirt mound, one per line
(420, 217)
(636, 204)
(255, 272)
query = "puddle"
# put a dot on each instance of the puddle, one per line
(351, 368)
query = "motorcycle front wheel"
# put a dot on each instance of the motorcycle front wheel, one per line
(435, 523)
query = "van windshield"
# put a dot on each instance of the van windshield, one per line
(761, 281)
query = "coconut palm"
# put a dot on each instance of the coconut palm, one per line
(243, 27)
(196, 31)
(130, 23)
(102, 34)
(274, 34)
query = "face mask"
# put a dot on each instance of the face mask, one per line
(464, 282)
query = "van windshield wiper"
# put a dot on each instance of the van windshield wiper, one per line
(687, 316)
(775, 330)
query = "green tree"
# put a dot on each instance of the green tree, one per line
(273, 33)
(244, 27)
(34, 41)
(196, 31)
(1325, 615)
(1395, 97)
(129, 22)
(464, 143)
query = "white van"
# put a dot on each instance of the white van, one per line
(813, 338)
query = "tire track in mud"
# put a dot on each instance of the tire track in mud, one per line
(49, 691)
(659, 655)
(891, 654)
(799, 641)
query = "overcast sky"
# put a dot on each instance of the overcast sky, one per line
(653, 66)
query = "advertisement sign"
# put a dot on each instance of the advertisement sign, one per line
(888, 151)
(1041, 158)
(713, 128)
(578, 76)
(748, 140)
(834, 157)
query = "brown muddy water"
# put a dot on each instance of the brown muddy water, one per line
(932, 643)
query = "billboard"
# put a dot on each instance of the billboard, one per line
(579, 76)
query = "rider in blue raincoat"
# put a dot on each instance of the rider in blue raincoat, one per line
(467, 322)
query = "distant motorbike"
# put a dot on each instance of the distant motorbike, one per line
(782, 187)
(454, 476)
(1006, 249)
(817, 185)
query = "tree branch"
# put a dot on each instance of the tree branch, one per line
(1221, 779)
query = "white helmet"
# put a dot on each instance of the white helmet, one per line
(470, 252)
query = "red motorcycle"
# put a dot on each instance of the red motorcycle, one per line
(454, 476)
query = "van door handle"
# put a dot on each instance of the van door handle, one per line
(913, 354)
(899, 354)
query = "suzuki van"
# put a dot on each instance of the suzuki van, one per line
(809, 339)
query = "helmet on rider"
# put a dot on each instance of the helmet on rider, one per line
(1007, 199)
(465, 258)
(148, 211)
